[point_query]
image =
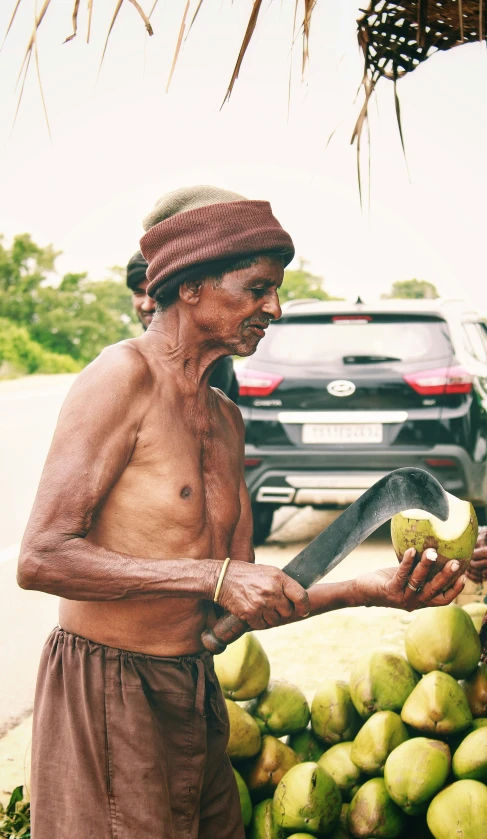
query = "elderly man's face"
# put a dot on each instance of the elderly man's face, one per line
(240, 308)
(144, 305)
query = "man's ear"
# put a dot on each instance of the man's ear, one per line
(190, 292)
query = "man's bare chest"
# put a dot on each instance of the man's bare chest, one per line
(187, 469)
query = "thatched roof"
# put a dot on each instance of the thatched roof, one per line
(395, 37)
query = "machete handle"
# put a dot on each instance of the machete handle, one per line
(226, 630)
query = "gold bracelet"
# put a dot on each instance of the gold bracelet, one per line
(220, 579)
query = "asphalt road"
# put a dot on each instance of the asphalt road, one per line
(28, 414)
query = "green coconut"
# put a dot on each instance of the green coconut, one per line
(262, 825)
(460, 810)
(245, 802)
(415, 772)
(443, 639)
(454, 538)
(470, 759)
(338, 763)
(334, 718)
(373, 814)
(437, 706)
(263, 772)
(475, 688)
(380, 735)
(381, 681)
(307, 799)
(244, 733)
(281, 709)
(306, 746)
(455, 740)
(243, 669)
(477, 613)
(341, 831)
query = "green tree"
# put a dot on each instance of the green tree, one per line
(19, 354)
(74, 317)
(300, 283)
(413, 290)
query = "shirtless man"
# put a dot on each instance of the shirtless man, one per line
(141, 501)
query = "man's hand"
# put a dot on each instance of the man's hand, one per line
(395, 587)
(477, 570)
(262, 595)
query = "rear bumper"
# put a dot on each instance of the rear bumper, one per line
(337, 478)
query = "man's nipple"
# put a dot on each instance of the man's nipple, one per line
(186, 492)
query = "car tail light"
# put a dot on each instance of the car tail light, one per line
(440, 462)
(440, 381)
(252, 462)
(257, 382)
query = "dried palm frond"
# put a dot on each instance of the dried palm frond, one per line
(308, 11)
(75, 21)
(243, 49)
(178, 44)
(308, 7)
(395, 37)
(12, 18)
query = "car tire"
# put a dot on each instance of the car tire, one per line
(481, 514)
(262, 515)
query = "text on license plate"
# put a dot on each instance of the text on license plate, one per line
(350, 433)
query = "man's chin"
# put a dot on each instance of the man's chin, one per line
(245, 348)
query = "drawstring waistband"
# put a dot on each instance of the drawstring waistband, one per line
(208, 693)
(200, 686)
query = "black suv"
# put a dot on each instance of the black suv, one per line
(339, 394)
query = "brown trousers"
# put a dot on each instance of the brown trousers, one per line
(129, 746)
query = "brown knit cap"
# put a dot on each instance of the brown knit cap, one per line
(201, 224)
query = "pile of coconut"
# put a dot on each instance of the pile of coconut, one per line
(399, 750)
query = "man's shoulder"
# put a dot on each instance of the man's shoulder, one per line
(119, 366)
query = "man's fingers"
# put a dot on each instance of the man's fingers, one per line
(475, 576)
(405, 568)
(480, 558)
(272, 617)
(297, 595)
(449, 595)
(443, 581)
(420, 572)
(257, 622)
(285, 608)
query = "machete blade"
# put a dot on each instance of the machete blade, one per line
(404, 489)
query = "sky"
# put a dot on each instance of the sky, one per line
(119, 141)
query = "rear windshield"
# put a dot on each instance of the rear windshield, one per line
(371, 339)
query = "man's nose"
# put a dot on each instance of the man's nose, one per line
(148, 304)
(272, 306)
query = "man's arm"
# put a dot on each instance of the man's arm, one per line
(92, 445)
(389, 587)
(477, 570)
(242, 547)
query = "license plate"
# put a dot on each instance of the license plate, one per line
(367, 433)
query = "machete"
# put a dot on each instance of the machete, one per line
(404, 489)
